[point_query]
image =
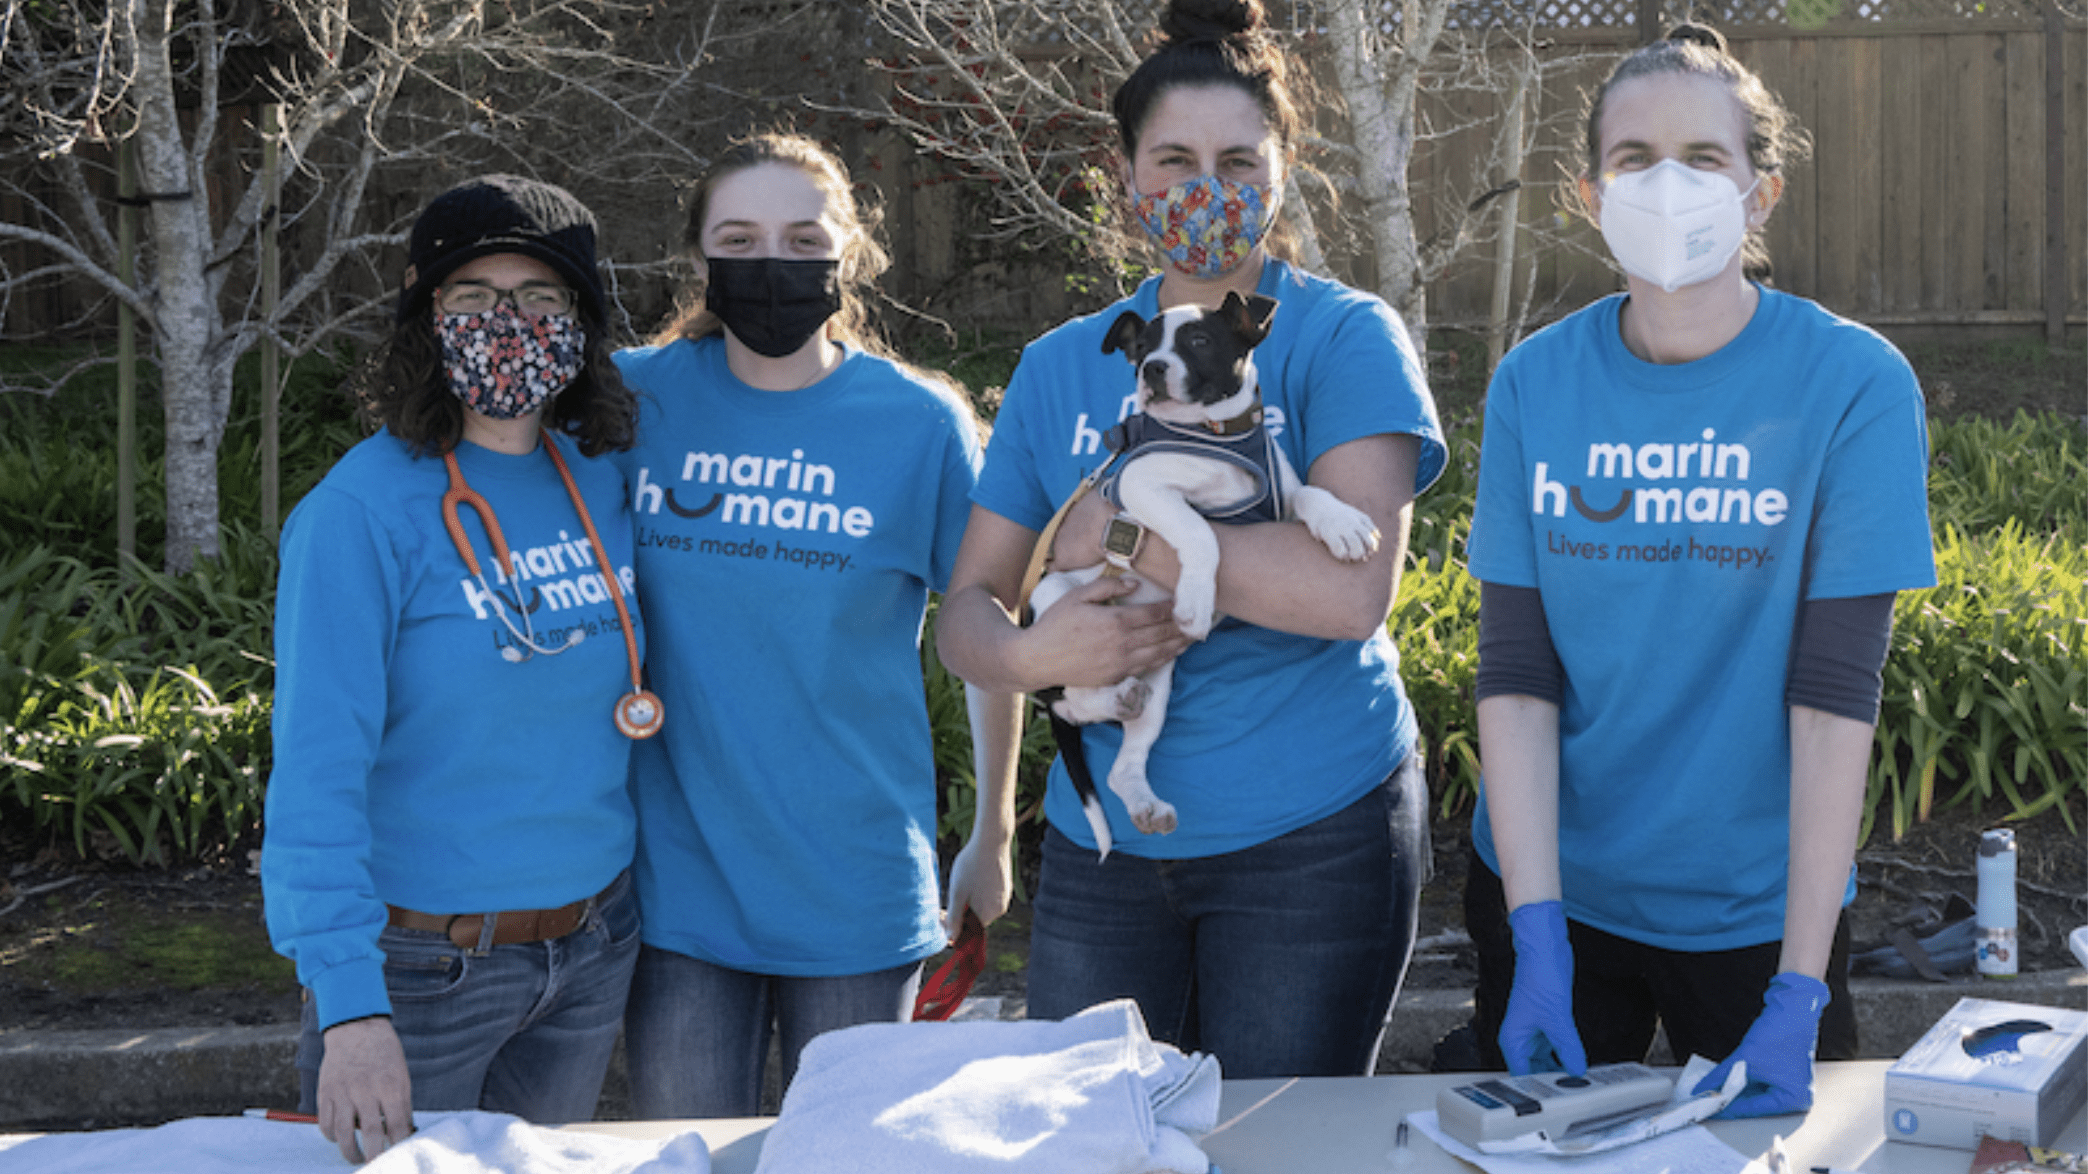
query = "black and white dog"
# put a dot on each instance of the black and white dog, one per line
(1196, 450)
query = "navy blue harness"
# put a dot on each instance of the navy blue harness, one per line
(1253, 451)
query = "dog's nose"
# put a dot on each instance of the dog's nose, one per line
(1155, 375)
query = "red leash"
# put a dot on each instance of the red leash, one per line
(944, 991)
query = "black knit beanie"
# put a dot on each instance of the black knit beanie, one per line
(502, 214)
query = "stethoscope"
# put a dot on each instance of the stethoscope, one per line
(638, 713)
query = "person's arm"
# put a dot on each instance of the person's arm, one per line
(1519, 687)
(1832, 699)
(1830, 764)
(1083, 640)
(336, 617)
(980, 877)
(1276, 574)
(1519, 747)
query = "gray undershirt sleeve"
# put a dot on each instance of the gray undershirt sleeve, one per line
(1837, 660)
(1838, 656)
(1516, 654)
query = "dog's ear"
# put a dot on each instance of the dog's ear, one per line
(1123, 335)
(1247, 317)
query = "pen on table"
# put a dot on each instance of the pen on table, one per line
(280, 1115)
(1832, 1170)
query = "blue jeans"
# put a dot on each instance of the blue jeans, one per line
(696, 1036)
(526, 1028)
(1282, 959)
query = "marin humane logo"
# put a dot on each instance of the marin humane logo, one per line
(552, 585)
(1660, 495)
(761, 506)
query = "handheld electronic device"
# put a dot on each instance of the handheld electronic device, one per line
(1504, 1107)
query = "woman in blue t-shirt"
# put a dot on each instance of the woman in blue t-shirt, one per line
(457, 667)
(1272, 926)
(798, 494)
(1696, 501)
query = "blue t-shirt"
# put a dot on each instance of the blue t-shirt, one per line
(414, 764)
(1266, 731)
(787, 543)
(1674, 517)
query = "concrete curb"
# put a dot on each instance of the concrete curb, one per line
(115, 1078)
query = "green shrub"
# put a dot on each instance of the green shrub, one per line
(1987, 684)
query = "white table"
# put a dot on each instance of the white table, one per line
(1346, 1126)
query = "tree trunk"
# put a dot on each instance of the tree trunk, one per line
(1382, 128)
(195, 383)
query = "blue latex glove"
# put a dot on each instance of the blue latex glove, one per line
(1778, 1050)
(1537, 1033)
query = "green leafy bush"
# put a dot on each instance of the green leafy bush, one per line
(134, 705)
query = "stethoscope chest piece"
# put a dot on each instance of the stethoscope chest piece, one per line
(639, 714)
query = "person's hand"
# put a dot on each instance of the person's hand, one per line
(1086, 638)
(980, 880)
(363, 1085)
(1778, 1050)
(1537, 1033)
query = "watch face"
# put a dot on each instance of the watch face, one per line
(1122, 537)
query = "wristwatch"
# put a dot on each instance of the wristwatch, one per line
(1121, 543)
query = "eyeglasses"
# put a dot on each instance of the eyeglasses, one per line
(535, 299)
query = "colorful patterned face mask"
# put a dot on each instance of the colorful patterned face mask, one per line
(505, 364)
(1207, 225)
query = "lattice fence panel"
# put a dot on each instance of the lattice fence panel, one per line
(1755, 16)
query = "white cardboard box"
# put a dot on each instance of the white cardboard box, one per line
(2007, 1070)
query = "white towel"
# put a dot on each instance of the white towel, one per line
(1092, 1094)
(447, 1143)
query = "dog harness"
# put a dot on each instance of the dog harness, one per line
(1251, 449)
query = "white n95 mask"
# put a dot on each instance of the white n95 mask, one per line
(1674, 225)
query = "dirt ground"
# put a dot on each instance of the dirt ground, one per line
(102, 947)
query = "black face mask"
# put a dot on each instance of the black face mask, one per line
(770, 304)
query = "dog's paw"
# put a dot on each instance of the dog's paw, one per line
(1131, 698)
(1120, 702)
(1154, 818)
(1196, 608)
(1348, 533)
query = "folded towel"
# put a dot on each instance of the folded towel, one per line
(1092, 1094)
(495, 1143)
(447, 1143)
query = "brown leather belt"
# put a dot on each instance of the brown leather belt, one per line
(510, 927)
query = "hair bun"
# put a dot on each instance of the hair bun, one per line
(1698, 34)
(1210, 20)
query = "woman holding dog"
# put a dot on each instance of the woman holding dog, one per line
(1696, 502)
(449, 831)
(798, 494)
(1272, 926)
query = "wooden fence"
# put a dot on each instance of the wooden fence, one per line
(1948, 183)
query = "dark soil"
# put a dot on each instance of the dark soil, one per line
(92, 947)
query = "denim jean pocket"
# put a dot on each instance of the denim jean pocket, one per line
(616, 915)
(421, 964)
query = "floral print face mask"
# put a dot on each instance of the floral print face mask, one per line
(505, 364)
(1207, 225)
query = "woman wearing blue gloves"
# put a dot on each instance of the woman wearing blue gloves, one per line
(1697, 500)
